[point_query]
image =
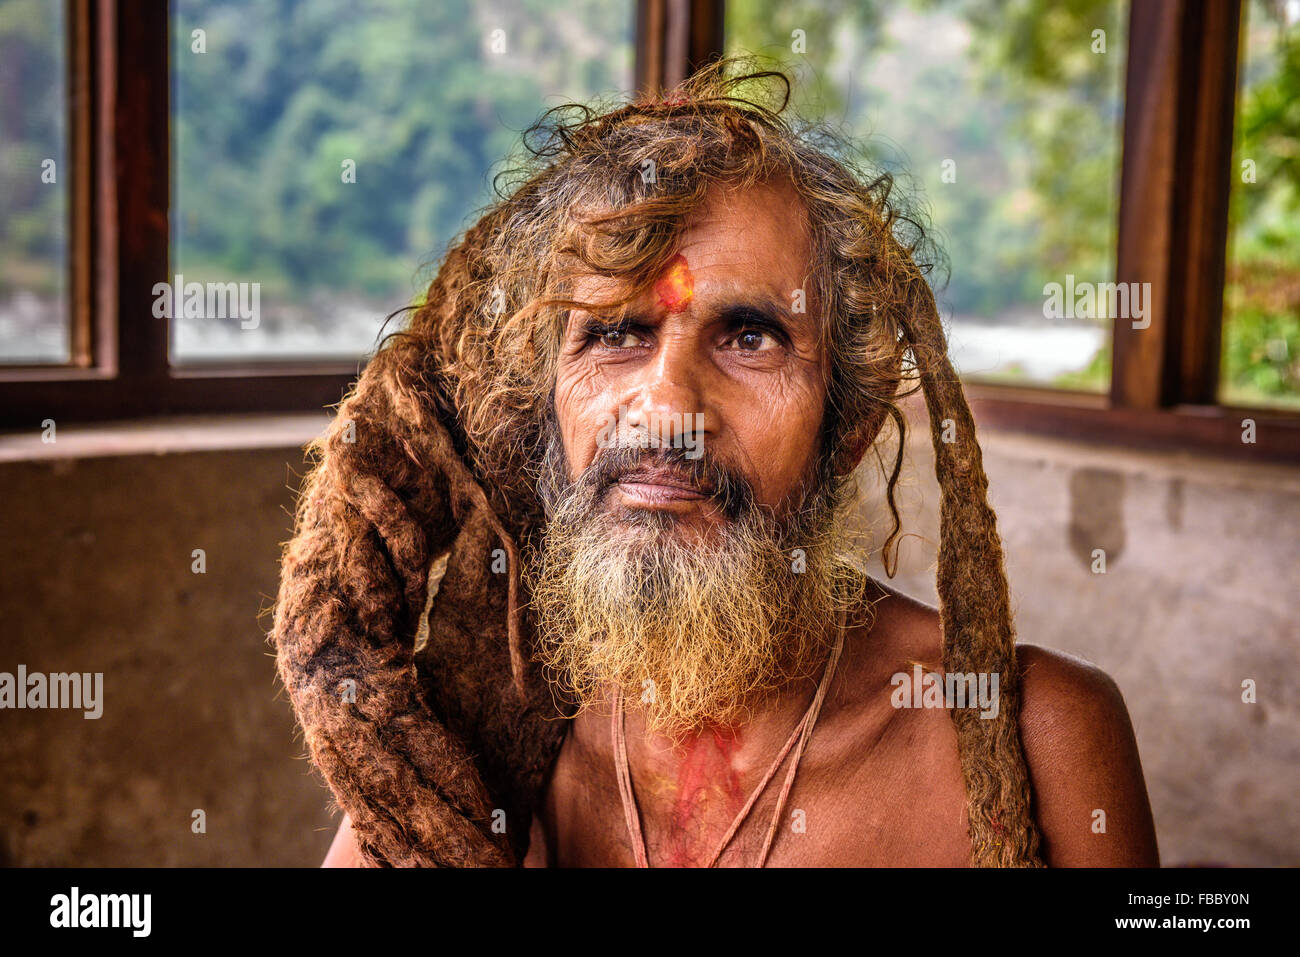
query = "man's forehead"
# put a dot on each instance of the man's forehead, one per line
(683, 285)
(752, 241)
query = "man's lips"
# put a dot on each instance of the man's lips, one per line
(660, 485)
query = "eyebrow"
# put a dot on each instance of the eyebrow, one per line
(772, 307)
(766, 306)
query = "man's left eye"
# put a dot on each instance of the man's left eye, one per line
(753, 340)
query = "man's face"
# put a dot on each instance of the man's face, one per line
(700, 576)
(716, 346)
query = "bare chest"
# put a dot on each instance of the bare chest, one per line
(878, 789)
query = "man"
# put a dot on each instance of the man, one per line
(731, 689)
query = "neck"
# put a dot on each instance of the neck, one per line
(732, 750)
(704, 780)
(763, 719)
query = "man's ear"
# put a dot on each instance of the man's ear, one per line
(859, 438)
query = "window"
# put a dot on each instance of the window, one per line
(35, 324)
(322, 152)
(1005, 123)
(1093, 142)
(210, 141)
(1261, 321)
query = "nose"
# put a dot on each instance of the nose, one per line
(669, 397)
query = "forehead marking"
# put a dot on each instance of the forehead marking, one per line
(676, 287)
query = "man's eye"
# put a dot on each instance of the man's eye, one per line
(619, 339)
(753, 340)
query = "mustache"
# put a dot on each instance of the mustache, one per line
(724, 486)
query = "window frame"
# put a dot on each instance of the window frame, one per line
(1180, 104)
(120, 69)
(1179, 107)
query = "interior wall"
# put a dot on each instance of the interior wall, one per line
(1202, 561)
(96, 576)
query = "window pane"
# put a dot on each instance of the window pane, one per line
(325, 153)
(34, 176)
(1261, 307)
(1006, 121)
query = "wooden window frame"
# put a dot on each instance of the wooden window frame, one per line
(121, 156)
(1179, 108)
(1180, 104)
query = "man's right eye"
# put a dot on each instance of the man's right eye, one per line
(614, 337)
(620, 339)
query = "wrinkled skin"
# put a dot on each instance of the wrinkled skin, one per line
(711, 353)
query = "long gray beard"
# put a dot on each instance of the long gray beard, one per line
(701, 631)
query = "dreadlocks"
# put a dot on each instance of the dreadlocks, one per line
(439, 754)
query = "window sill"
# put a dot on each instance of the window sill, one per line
(163, 436)
(1211, 430)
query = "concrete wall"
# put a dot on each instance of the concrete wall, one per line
(95, 575)
(1202, 563)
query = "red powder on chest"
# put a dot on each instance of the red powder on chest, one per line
(705, 772)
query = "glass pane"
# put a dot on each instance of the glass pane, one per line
(1261, 305)
(1006, 122)
(325, 153)
(34, 178)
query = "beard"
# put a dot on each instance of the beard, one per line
(698, 628)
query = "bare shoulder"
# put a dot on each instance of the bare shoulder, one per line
(1090, 797)
(1066, 699)
(902, 627)
(1089, 794)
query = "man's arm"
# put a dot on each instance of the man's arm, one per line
(344, 851)
(1083, 759)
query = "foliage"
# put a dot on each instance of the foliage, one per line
(32, 129)
(1094, 377)
(1012, 97)
(1261, 329)
(413, 93)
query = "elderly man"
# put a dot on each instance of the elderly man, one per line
(660, 362)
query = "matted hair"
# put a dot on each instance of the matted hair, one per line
(605, 193)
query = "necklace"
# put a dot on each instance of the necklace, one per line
(797, 740)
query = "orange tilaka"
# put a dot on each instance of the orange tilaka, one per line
(675, 289)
